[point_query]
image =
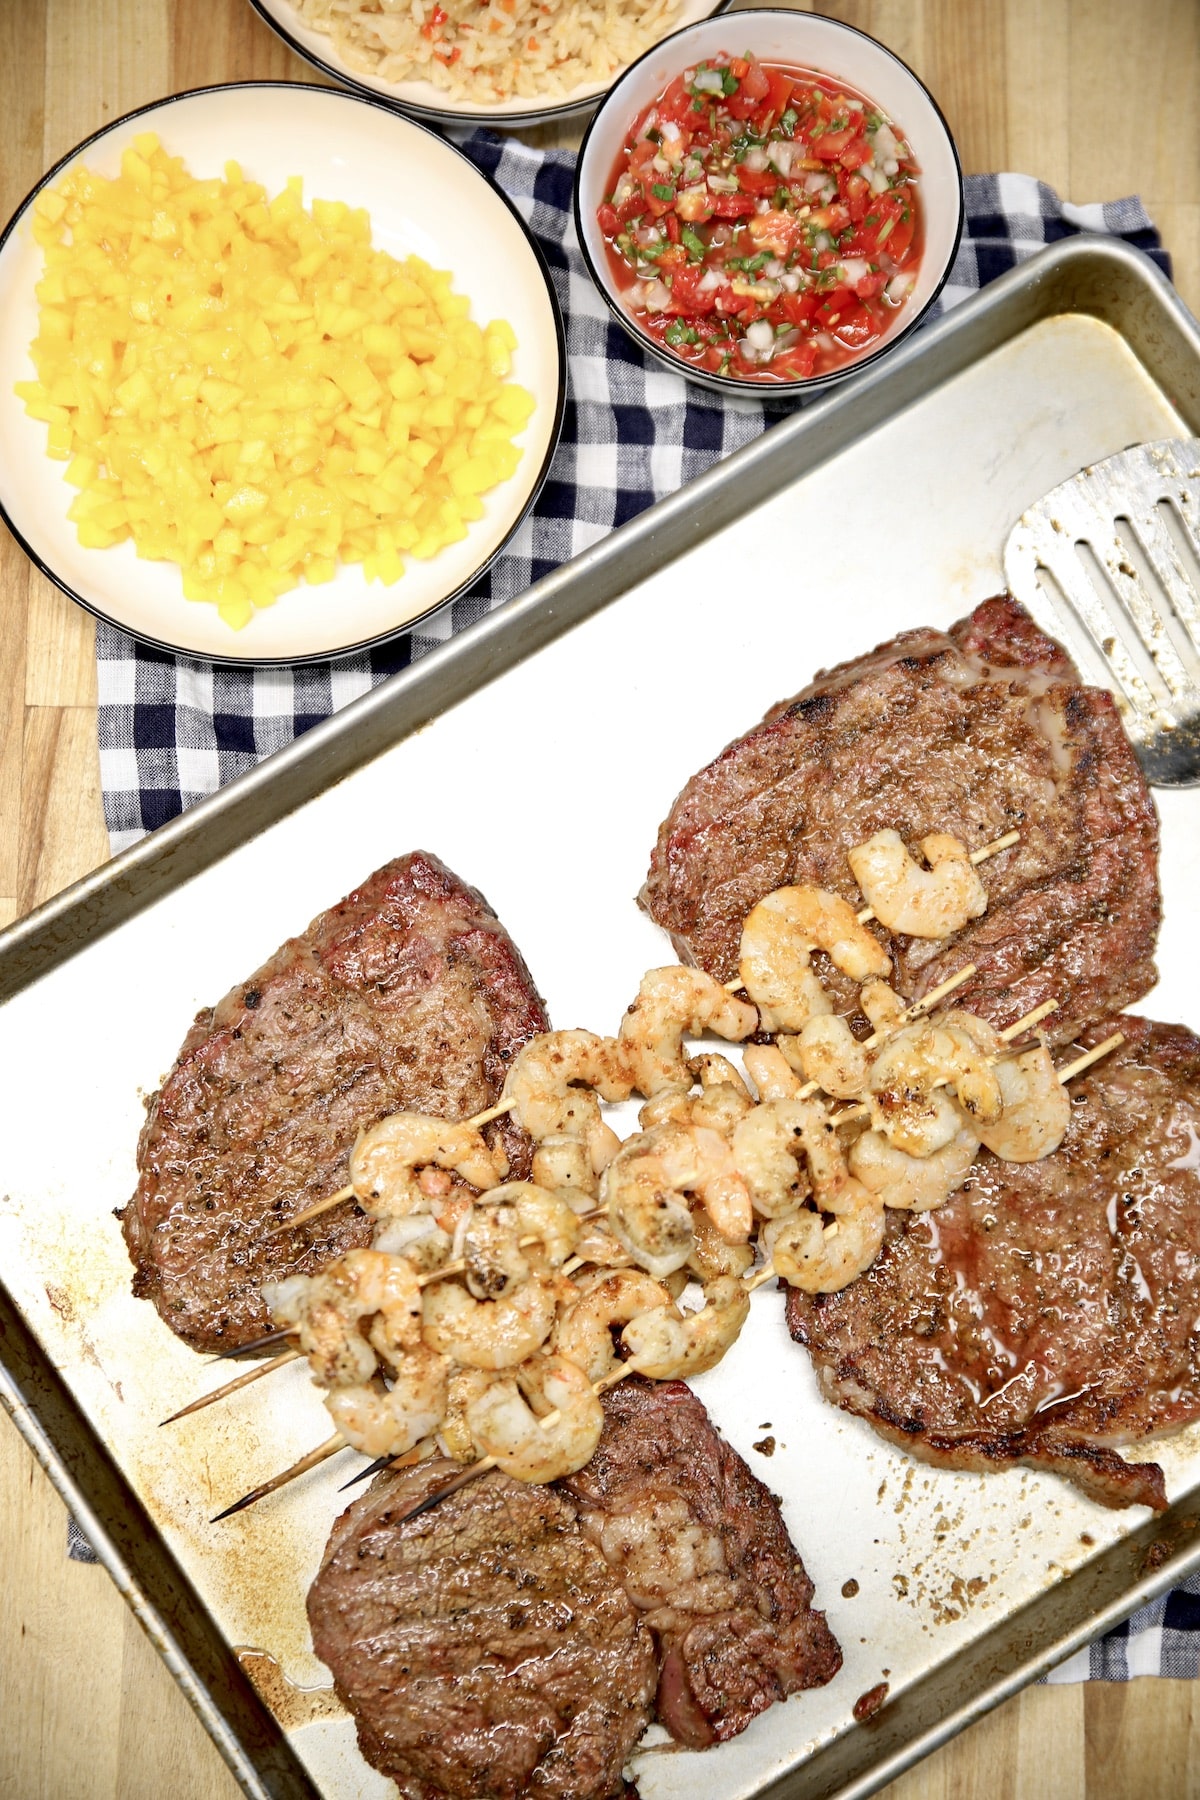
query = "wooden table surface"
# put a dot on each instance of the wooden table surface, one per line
(1098, 97)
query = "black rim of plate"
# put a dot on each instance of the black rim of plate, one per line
(779, 394)
(447, 115)
(362, 645)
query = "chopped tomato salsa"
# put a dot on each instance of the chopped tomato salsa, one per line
(763, 222)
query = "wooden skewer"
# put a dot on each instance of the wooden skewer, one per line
(255, 1344)
(867, 914)
(1091, 1056)
(321, 1454)
(231, 1387)
(750, 1282)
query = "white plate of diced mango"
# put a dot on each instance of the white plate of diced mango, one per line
(280, 373)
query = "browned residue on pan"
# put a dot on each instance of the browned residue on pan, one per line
(292, 1706)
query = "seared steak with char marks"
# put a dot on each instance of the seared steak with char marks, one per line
(408, 995)
(701, 1547)
(1051, 1311)
(976, 731)
(485, 1649)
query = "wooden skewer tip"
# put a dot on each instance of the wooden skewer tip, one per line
(321, 1454)
(231, 1387)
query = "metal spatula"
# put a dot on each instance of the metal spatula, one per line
(1110, 562)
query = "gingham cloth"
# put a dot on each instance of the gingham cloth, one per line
(173, 730)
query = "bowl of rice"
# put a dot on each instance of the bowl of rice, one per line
(485, 62)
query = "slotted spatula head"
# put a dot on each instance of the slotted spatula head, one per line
(1110, 562)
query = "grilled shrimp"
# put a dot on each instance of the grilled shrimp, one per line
(584, 1331)
(564, 1165)
(646, 1189)
(770, 1072)
(1036, 1108)
(672, 1002)
(505, 1425)
(488, 1334)
(925, 903)
(390, 1421)
(829, 1054)
(882, 1005)
(495, 1242)
(462, 1386)
(778, 938)
(667, 1345)
(711, 1255)
(553, 1084)
(912, 1073)
(914, 1183)
(722, 1101)
(768, 1148)
(327, 1311)
(819, 1258)
(393, 1166)
(416, 1236)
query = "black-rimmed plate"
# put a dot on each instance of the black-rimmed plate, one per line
(425, 198)
(443, 106)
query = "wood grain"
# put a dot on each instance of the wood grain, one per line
(1098, 98)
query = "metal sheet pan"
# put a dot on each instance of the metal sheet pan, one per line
(680, 628)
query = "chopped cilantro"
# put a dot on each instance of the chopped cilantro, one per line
(662, 190)
(692, 241)
(678, 333)
(729, 81)
(789, 121)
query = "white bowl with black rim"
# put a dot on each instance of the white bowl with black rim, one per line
(424, 198)
(817, 46)
(549, 102)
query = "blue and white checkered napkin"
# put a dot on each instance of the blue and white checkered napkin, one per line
(173, 730)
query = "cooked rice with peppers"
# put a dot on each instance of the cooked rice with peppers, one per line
(485, 51)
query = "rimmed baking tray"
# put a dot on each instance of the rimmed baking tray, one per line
(536, 753)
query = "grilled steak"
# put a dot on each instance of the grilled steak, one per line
(1051, 1311)
(485, 1649)
(976, 731)
(700, 1546)
(408, 995)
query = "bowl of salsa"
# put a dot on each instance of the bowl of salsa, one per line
(769, 201)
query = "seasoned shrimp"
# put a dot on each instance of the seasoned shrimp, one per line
(646, 1186)
(882, 1005)
(505, 1424)
(914, 1183)
(924, 903)
(1036, 1108)
(416, 1236)
(670, 1003)
(553, 1084)
(462, 1386)
(722, 1101)
(770, 1072)
(711, 1255)
(391, 1165)
(829, 1054)
(522, 1225)
(819, 1258)
(392, 1421)
(584, 1331)
(488, 1334)
(667, 1344)
(910, 1077)
(598, 1245)
(768, 1148)
(564, 1165)
(327, 1311)
(778, 938)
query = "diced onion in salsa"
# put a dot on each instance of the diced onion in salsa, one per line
(762, 221)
